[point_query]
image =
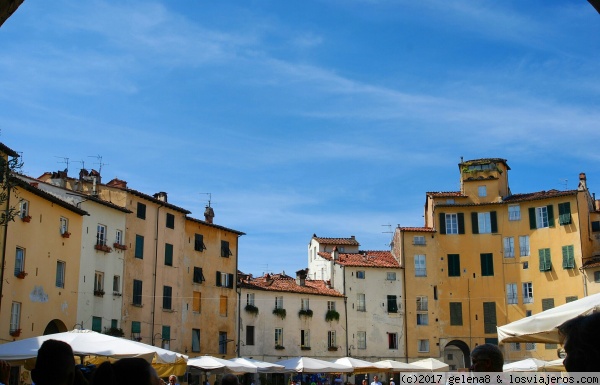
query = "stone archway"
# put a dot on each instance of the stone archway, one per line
(457, 354)
(55, 326)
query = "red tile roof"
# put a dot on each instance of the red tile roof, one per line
(538, 195)
(419, 229)
(446, 194)
(285, 283)
(336, 241)
(364, 259)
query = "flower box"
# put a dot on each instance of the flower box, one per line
(104, 248)
(15, 333)
(332, 348)
(251, 309)
(99, 293)
(305, 313)
(279, 347)
(26, 218)
(66, 234)
(119, 246)
(21, 275)
(281, 313)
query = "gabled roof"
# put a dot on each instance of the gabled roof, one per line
(285, 283)
(49, 197)
(538, 195)
(152, 199)
(7, 150)
(371, 258)
(214, 226)
(336, 241)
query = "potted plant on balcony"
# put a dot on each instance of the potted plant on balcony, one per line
(305, 313)
(26, 218)
(66, 234)
(279, 347)
(15, 332)
(279, 312)
(332, 348)
(251, 309)
(119, 246)
(21, 274)
(99, 293)
(332, 315)
(102, 247)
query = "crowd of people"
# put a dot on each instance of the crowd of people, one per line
(55, 363)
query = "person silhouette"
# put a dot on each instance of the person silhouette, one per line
(55, 364)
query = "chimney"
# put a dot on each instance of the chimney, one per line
(335, 254)
(301, 277)
(209, 214)
(117, 183)
(582, 182)
(161, 196)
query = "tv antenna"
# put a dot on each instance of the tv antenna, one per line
(565, 182)
(209, 197)
(389, 231)
(64, 160)
(100, 164)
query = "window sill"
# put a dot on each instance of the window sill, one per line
(168, 310)
(137, 305)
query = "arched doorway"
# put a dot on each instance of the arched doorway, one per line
(55, 326)
(457, 354)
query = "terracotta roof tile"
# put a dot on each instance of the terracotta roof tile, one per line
(285, 283)
(538, 195)
(418, 229)
(446, 194)
(590, 264)
(336, 241)
(364, 259)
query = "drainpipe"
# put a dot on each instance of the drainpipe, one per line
(583, 275)
(6, 212)
(239, 293)
(405, 295)
(345, 307)
(155, 270)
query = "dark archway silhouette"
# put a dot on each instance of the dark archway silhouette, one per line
(55, 326)
(464, 348)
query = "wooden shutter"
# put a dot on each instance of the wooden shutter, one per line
(532, 222)
(442, 223)
(218, 278)
(461, 223)
(550, 209)
(475, 223)
(456, 313)
(494, 221)
(489, 317)
(568, 257)
(230, 281)
(196, 303)
(545, 261)
(564, 213)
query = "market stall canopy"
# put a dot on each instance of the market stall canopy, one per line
(261, 366)
(553, 366)
(219, 365)
(541, 327)
(432, 365)
(397, 366)
(312, 365)
(98, 346)
(359, 366)
(526, 365)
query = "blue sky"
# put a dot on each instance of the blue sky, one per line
(301, 117)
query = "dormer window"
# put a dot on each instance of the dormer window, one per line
(482, 191)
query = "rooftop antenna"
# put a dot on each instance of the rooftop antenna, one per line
(99, 158)
(389, 231)
(209, 197)
(82, 163)
(565, 181)
(64, 160)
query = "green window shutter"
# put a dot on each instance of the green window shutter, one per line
(532, 223)
(230, 281)
(489, 317)
(218, 278)
(168, 254)
(487, 264)
(547, 303)
(571, 298)
(453, 265)
(545, 261)
(461, 223)
(456, 313)
(114, 323)
(391, 304)
(139, 246)
(137, 292)
(167, 295)
(136, 327)
(564, 213)
(596, 226)
(97, 324)
(474, 223)
(166, 333)
(568, 257)
(550, 215)
(442, 223)
(494, 221)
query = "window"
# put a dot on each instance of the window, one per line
(361, 339)
(167, 297)
(137, 292)
(545, 261)
(224, 279)
(99, 283)
(422, 307)
(568, 257)
(139, 246)
(484, 223)
(420, 267)
(225, 252)
(527, 292)
(60, 274)
(196, 340)
(392, 305)
(482, 191)
(530, 346)
(547, 303)
(136, 330)
(170, 221)
(97, 324)
(331, 342)
(509, 247)
(449, 201)
(418, 240)
(141, 210)
(304, 339)
(571, 298)
(23, 208)
(456, 313)
(278, 302)
(116, 284)
(360, 274)
(391, 276)
(511, 293)
(119, 237)
(278, 336)
(452, 223)
(514, 213)
(15, 316)
(596, 276)
(331, 305)
(524, 245)
(595, 226)
(250, 299)
(101, 235)
(422, 304)
(223, 306)
(64, 225)
(540, 217)
(222, 342)
(423, 346)
(393, 341)
(196, 302)
(525, 265)
(515, 346)
(453, 265)
(249, 335)
(304, 305)
(166, 337)
(199, 242)
(564, 213)
(489, 317)
(168, 254)
(361, 303)
(198, 276)
(487, 264)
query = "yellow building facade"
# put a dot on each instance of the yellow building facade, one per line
(487, 257)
